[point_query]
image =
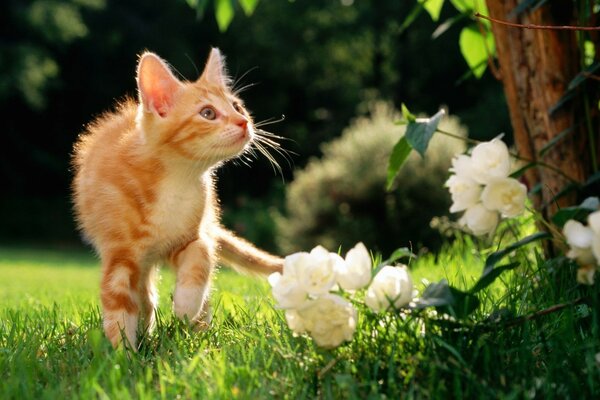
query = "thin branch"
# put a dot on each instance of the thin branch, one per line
(455, 136)
(591, 76)
(490, 60)
(534, 26)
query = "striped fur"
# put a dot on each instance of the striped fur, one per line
(144, 192)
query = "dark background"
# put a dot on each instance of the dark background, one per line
(319, 63)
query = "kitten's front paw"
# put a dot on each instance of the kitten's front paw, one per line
(204, 318)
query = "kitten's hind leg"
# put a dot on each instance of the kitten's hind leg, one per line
(119, 296)
(194, 264)
(149, 298)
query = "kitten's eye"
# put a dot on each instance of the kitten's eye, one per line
(237, 107)
(208, 113)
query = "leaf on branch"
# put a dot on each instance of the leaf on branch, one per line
(563, 192)
(248, 6)
(518, 173)
(551, 143)
(199, 6)
(526, 4)
(475, 50)
(436, 295)
(490, 276)
(493, 258)
(399, 155)
(591, 180)
(433, 8)
(408, 116)
(583, 75)
(574, 84)
(588, 206)
(419, 132)
(447, 24)
(412, 16)
(403, 252)
(224, 13)
(448, 299)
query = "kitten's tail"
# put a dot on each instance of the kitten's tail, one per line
(244, 256)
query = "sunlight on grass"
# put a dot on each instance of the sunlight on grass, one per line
(31, 278)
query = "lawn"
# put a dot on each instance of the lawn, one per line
(52, 346)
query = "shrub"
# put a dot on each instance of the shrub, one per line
(340, 199)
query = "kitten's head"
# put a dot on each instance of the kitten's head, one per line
(202, 121)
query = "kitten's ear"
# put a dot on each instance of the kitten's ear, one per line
(157, 85)
(215, 71)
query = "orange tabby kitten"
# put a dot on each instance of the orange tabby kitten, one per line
(144, 192)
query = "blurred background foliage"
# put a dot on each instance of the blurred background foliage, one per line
(341, 198)
(323, 64)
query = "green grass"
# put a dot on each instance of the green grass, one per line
(52, 346)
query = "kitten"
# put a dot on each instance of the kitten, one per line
(144, 192)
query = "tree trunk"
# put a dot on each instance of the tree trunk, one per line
(536, 67)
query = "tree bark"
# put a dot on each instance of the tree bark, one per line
(536, 67)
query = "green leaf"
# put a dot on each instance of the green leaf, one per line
(575, 82)
(199, 6)
(518, 173)
(396, 255)
(551, 143)
(412, 16)
(588, 206)
(436, 295)
(498, 255)
(473, 48)
(248, 6)
(524, 5)
(419, 132)
(223, 13)
(583, 75)
(490, 276)
(397, 158)
(407, 114)
(463, 6)
(448, 299)
(589, 51)
(592, 180)
(433, 8)
(447, 24)
(570, 187)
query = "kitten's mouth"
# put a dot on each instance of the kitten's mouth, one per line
(239, 140)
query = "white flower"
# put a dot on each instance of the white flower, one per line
(316, 270)
(329, 319)
(355, 272)
(585, 275)
(506, 195)
(462, 165)
(577, 234)
(584, 256)
(286, 290)
(392, 286)
(584, 241)
(490, 160)
(465, 192)
(594, 224)
(480, 220)
(295, 321)
(580, 239)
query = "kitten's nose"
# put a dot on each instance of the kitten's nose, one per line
(242, 123)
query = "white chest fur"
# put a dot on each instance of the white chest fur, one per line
(181, 202)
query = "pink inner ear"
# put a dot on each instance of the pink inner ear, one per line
(157, 85)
